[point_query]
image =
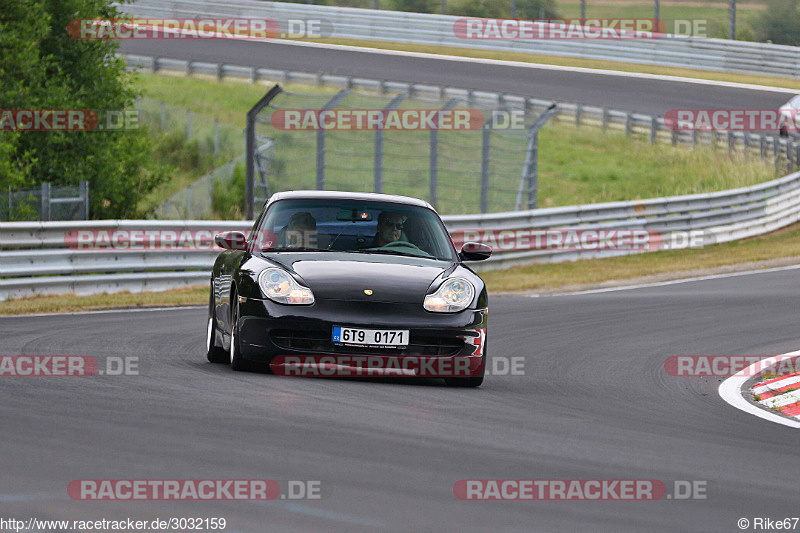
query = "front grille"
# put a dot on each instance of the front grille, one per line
(320, 342)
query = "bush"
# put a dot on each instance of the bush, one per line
(227, 197)
(415, 6)
(526, 9)
(779, 23)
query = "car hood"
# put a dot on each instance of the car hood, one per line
(348, 276)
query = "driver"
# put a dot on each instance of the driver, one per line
(390, 228)
(301, 231)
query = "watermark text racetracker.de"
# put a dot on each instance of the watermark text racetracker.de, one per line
(68, 120)
(198, 28)
(579, 490)
(729, 365)
(67, 366)
(773, 120)
(196, 489)
(584, 239)
(577, 29)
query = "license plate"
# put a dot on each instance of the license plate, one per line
(381, 338)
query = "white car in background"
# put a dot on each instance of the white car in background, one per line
(789, 110)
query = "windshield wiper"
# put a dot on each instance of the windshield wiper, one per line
(391, 252)
(299, 249)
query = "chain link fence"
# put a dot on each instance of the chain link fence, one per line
(46, 203)
(458, 171)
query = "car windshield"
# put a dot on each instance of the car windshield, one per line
(354, 226)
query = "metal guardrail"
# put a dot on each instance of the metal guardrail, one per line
(418, 28)
(56, 268)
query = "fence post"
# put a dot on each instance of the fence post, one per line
(378, 186)
(674, 137)
(45, 202)
(485, 147)
(731, 141)
(216, 136)
(250, 149)
(433, 194)
(83, 186)
(530, 171)
(763, 146)
(333, 102)
(189, 201)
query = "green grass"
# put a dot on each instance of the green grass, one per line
(576, 165)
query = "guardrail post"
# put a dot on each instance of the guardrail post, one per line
(763, 146)
(45, 202)
(694, 137)
(746, 143)
(254, 75)
(653, 129)
(629, 124)
(605, 118)
(189, 67)
(578, 110)
(674, 136)
(731, 142)
(797, 155)
(220, 71)
(154, 65)
(790, 156)
(83, 187)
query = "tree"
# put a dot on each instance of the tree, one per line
(44, 68)
(415, 6)
(779, 23)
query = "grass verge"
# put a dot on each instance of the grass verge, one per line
(778, 248)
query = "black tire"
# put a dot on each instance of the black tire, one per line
(472, 382)
(464, 382)
(214, 353)
(238, 363)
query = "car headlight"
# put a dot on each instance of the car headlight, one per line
(454, 295)
(279, 286)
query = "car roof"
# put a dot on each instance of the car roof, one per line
(344, 195)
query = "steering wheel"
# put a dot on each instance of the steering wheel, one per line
(397, 244)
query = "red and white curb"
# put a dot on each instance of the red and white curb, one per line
(778, 395)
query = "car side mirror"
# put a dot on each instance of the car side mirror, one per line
(474, 251)
(231, 240)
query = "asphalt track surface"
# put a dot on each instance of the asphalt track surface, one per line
(625, 93)
(594, 403)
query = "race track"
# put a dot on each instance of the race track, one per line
(595, 402)
(643, 95)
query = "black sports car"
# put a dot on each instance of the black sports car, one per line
(349, 279)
